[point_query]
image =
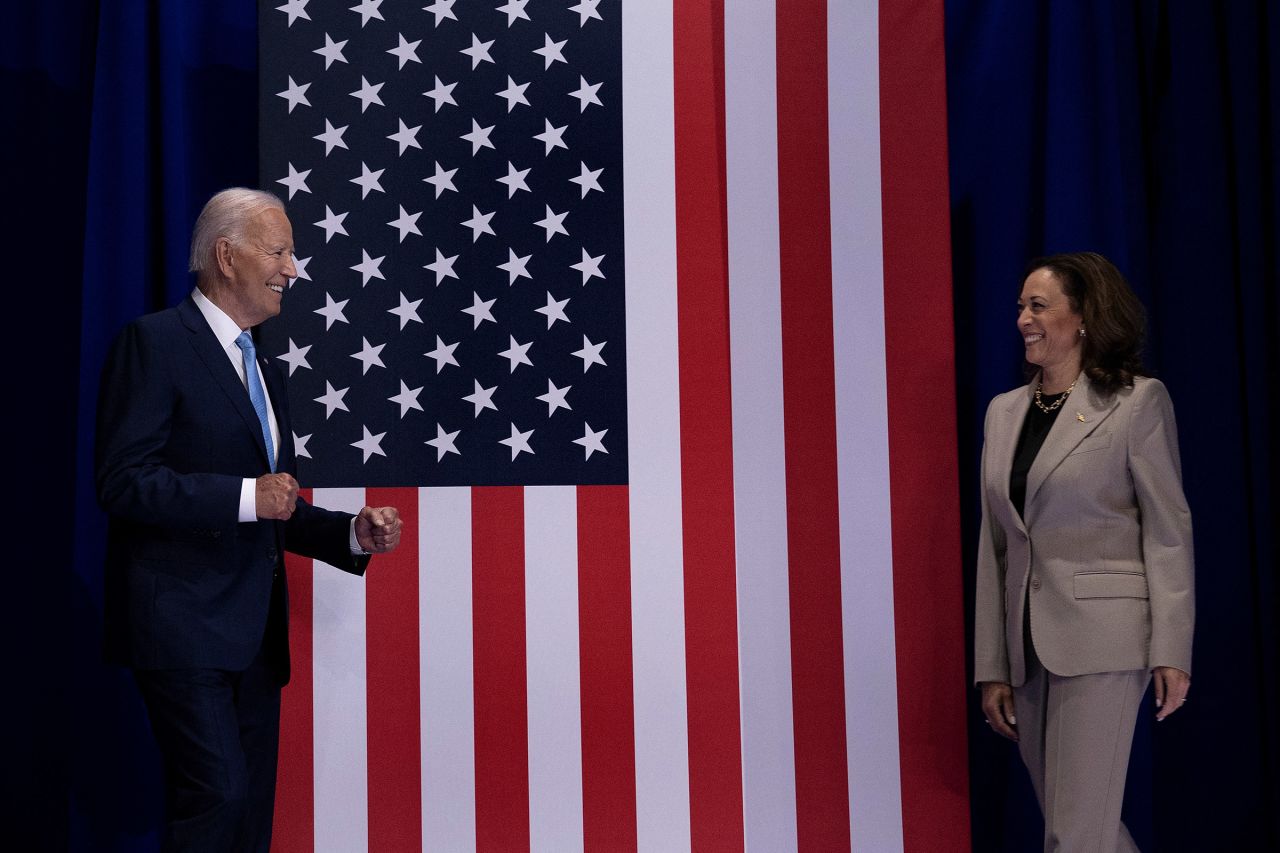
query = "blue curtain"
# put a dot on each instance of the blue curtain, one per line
(1146, 131)
(122, 117)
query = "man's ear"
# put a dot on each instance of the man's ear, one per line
(222, 251)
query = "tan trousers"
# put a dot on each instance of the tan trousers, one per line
(1074, 734)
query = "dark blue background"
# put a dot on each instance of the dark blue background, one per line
(1145, 130)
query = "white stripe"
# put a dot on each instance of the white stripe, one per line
(446, 686)
(657, 564)
(862, 428)
(759, 444)
(341, 722)
(554, 686)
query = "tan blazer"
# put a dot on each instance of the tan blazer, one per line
(1104, 557)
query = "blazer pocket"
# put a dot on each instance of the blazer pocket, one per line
(1110, 585)
(1097, 441)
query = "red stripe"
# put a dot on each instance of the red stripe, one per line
(391, 637)
(808, 374)
(706, 430)
(604, 625)
(294, 829)
(922, 452)
(501, 693)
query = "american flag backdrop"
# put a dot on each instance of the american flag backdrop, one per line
(640, 312)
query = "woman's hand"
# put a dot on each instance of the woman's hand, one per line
(1172, 685)
(997, 706)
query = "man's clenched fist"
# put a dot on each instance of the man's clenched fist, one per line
(277, 495)
(378, 529)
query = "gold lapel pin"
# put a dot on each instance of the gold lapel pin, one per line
(1080, 417)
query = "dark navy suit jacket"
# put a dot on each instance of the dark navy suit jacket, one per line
(187, 584)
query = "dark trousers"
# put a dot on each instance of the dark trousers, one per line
(219, 733)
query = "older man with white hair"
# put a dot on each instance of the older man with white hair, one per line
(195, 467)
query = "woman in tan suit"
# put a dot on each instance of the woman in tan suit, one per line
(1085, 580)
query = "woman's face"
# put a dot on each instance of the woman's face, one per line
(1049, 326)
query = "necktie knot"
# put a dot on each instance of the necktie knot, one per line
(245, 342)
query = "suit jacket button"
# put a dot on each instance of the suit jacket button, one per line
(217, 533)
(1035, 583)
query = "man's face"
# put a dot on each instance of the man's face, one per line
(262, 266)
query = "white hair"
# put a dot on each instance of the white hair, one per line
(225, 215)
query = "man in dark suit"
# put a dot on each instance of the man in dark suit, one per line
(195, 467)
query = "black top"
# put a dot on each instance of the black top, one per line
(1034, 429)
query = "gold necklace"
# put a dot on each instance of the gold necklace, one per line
(1056, 403)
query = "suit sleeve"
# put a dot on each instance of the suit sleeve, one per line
(991, 654)
(1166, 526)
(136, 404)
(323, 534)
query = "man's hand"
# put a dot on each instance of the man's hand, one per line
(277, 495)
(997, 706)
(378, 529)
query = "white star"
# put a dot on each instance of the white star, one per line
(296, 357)
(481, 398)
(588, 179)
(406, 51)
(368, 267)
(368, 93)
(479, 223)
(407, 399)
(407, 311)
(514, 179)
(443, 267)
(443, 442)
(370, 444)
(441, 9)
(332, 311)
(300, 445)
(517, 354)
(443, 354)
(555, 398)
(442, 180)
(294, 9)
(478, 137)
(300, 267)
(332, 399)
(553, 223)
(295, 94)
(368, 9)
(406, 223)
(368, 180)
(586, 93)
(479, 310)
(332, 223)
(516, 267)
(369, 355)
(551, 51)
(406, 136)
(588, 266)
(332, 137)
(514, 93)
(591, 441)
(586, 9)
(552, 137)
(332, 51)
(518, 442)
(554, 310)
(441, 94)
(590, 353)
(514, 9)
(479, 51)
(296, 181)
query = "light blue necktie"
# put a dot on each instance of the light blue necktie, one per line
(256, 396)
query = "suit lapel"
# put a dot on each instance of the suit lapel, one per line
(276, 390)
(1082, 413)
(1006, 444)
(219, 366)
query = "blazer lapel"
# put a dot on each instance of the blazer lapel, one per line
(1082, 413)
(206, 347)
(1005, 444)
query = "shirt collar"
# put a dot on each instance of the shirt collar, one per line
(224, 328)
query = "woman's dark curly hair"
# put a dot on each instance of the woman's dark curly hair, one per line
(1114, 321)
